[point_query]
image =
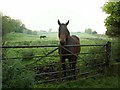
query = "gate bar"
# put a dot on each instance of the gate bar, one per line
(50, 46)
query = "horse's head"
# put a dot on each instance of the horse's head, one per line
(63, 32)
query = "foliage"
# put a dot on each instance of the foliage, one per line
(88, 31)
(112, 22)
(96, 58)
(15, 26)
(27, 55)
(94, 32)
(15, 75)
(11, 25)
(115, 51)
(96, 82)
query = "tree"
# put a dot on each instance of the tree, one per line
(34, 32)
(50, 30)
(29, 31)
(11, 25)
(112, 22)
(94, 32)
(6, 25)
(18, 26)
(88, 31)
(14, 25)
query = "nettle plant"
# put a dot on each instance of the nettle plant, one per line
(15, 75)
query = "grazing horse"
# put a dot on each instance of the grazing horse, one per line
(42, 37)
(70, 51)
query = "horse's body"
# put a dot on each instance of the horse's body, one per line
(71, 52)
(42, 37)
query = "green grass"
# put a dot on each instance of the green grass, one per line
(18, 39)
(52, 38)
(97, 82)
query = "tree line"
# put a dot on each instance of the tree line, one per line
(13, 25)
(90, 31)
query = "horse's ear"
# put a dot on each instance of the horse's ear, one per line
(59, 22)
(67, 22)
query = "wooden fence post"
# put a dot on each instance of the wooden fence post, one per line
(107, 50)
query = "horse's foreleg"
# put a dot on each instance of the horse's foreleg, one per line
(70, 65)
(74, 67)
(63, 66)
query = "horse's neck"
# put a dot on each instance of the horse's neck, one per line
(68, 39)
(68, 33)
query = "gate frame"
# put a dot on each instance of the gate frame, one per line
(107, 52)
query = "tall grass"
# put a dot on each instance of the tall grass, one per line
(96, 82)
(15, 75)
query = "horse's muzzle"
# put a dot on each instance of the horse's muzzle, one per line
(62, 42)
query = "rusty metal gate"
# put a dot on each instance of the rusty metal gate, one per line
(48, 66)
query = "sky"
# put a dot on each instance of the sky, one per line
(44, 14)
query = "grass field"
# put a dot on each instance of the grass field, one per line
(97, 82)
(18, 39)
(52, 37)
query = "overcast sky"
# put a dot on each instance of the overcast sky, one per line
(43, 14)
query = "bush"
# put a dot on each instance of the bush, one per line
(15, 75)
(27, 55)
(115, 51)
(96, 58)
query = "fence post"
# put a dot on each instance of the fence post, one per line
(107, 50)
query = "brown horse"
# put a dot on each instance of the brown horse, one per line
(42, 37)
(71, 52)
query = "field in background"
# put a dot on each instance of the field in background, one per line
(52, 36)
(18, 39)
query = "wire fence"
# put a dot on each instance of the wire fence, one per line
(88, 64)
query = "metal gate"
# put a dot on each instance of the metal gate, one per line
(48, 66)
